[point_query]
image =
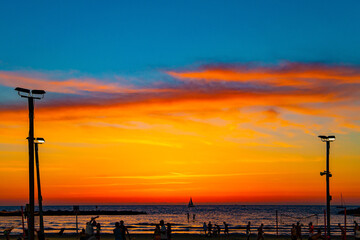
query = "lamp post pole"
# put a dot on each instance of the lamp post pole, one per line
(328, 197)
(42, 234)
(328, 175)
(31, 95)
(31, 169)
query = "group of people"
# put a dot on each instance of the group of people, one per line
(88, 233)
(296, 232)
(162, 232)
(210, 230)
(121, 231)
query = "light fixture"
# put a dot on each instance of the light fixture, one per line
(39, 140)
(327, 138)
(27, 93)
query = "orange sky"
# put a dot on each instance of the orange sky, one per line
(221, 134)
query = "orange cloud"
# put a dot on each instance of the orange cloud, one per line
(72, 85)
(289, 74)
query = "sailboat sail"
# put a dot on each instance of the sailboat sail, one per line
(342, 202)
(191, 204)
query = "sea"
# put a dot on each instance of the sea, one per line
(277, 219)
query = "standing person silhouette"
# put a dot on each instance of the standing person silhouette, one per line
(209, 229)
(82, 234)
(218, 229)
(97, 233)
(123, 231)
(248, 231)
(89, 230)
(261, 232)
(157, 232)
(356, 231)
(205, 228)
(226, 229)
(117, 232)
(163, 234)
(168, 231)
(298, 230)
(311, 229)
(293, 232)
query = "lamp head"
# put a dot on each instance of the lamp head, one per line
(39, 140)
(327, 138)
(39, 93)
(331, 138)
(23, 92)
(27, 93)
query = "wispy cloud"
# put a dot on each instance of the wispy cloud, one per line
(71, 85)
(175, 175)
(150, 142)
(116, 184)
(285, 74)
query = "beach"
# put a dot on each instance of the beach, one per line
(177, 237)
(236, 216)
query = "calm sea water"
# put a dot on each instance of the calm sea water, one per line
(236, 216)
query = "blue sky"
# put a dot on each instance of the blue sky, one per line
(130, 38)
(135, 42)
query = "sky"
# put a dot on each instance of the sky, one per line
(158, 101)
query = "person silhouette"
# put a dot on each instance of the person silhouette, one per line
(163, 232)
(157, 232)
(298, 230)
(117, 231)
(168, 231)
(226, 228)
(356, 231)
(248, 231)
(311, 229)
(209, 229)
(205, 228)
(123, 230)
(261, 232)
(293, 232)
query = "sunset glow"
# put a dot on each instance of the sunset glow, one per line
(221, 131)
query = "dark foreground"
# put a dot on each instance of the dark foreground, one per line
(176, 237)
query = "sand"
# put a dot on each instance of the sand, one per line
(178, 237)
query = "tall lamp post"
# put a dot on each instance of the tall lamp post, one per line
(31, 95)
(328, 175)
(37, 142)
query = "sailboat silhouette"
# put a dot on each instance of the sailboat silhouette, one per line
(191, 204)
(342, 202)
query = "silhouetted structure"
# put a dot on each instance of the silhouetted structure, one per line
(31, 95)
(327, 139)
(41, 232)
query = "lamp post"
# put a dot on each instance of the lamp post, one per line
(37, 142)
(328, 175)
(31, 95)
